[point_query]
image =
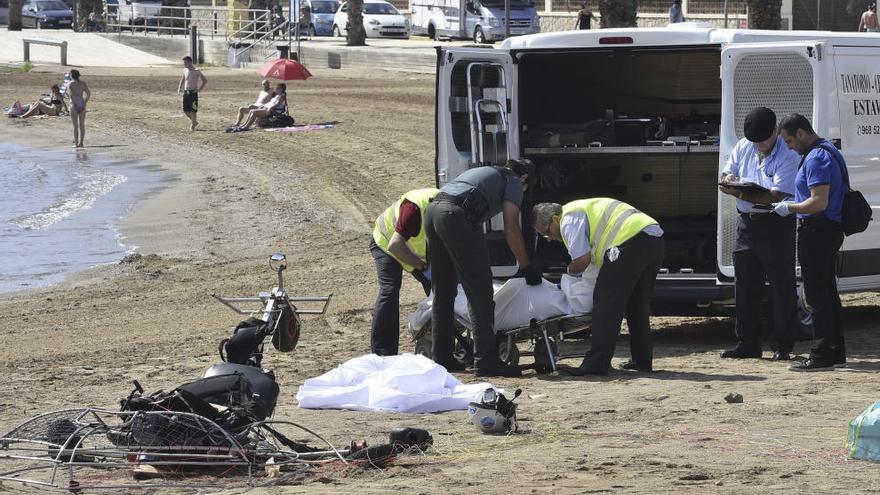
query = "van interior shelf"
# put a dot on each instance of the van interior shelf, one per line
(655, 150)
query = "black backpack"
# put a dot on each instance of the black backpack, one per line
(856, 212)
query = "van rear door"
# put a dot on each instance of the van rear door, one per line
(476, 125)
(785, 77)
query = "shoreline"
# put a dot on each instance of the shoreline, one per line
(130, 235)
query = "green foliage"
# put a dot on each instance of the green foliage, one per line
(27, 66)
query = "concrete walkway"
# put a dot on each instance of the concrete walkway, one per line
(83, 50)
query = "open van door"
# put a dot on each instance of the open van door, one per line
(786, 77)
(476, 125)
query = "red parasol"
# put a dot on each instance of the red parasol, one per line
(284, 69)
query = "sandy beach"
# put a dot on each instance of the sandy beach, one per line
(314, 195)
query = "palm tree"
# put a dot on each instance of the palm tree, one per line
(354, 28)
(618, 13)
(765, 14)
(14, 15)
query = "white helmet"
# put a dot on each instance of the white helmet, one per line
(494, 413)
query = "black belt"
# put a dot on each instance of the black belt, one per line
(472, 202)
(758, 215)
(819, 222)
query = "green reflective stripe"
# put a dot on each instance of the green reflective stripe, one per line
(618, 224)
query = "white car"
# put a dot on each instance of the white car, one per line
(381, 20)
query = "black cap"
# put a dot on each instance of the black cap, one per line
(759, 124)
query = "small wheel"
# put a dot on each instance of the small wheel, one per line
(509, 356)
(463, 352)
(423, 348)
(479, 37)
(543, 360)
(336, 32)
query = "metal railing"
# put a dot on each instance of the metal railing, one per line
(233, 25)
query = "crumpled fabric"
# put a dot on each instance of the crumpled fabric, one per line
(579, 290)
(516, 303)
(406, 384)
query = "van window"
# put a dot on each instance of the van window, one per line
(517, 4)
(47, 5)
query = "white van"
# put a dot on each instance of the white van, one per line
(137, 11)
(480, 20)
(643, 116)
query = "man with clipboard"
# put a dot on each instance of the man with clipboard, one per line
(761, 171)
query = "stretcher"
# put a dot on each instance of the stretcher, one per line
(542, 336)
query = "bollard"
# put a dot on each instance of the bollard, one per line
(193, 43)
(27, 51)
(63, 53)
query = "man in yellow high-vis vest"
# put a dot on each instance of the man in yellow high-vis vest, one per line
(627, 246)
(399, 243)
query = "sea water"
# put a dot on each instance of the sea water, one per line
(60, 210)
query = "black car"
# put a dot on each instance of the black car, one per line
(46, 14)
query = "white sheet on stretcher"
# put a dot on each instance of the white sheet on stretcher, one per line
(517, 303)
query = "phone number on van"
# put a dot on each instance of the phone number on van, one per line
(867, 130)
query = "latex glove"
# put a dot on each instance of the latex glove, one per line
(427, 273)
(781, 208)
(533, 274)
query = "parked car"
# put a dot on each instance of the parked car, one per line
(138, 11)
(323, 12)
(4, 11)
(381, 20)
(46, 14)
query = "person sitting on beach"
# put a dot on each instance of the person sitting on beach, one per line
(277, 105)
(52, 106)
(266, 95)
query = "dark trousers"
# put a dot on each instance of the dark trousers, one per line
(819, 241)
(385, 332)
(459, 253)
(765, 251)
(623, 289)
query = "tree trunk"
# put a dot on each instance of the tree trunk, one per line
(14, 15)
(618, 13)
(765, 14)
(355, 34)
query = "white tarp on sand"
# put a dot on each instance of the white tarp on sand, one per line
(405, 383)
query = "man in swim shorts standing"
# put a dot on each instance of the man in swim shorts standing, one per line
(190, 86)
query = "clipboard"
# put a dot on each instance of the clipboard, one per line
(747, 187)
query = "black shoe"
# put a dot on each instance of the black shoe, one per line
(812, 364)
(781, 356)
(741, 352)
(840, 362)
(631, 366)
(451, 365)
(499, 369)
(581, 371)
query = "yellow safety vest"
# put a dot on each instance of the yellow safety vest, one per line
(385, 223)
(612, 223)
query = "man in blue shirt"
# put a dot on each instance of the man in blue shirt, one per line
(765, 243)
(819, 191)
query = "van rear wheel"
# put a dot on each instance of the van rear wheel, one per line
(336, 32)
(432, 32)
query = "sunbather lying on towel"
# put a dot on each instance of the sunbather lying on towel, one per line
(266, 95)
(48, 105)
(277, 105)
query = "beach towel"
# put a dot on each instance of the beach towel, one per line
(303, 128)
(406, 384)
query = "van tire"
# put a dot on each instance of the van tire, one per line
(432, 32)
(336, 32)
(479, 37)
(312, 32)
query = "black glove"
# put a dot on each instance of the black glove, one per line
(533, 274)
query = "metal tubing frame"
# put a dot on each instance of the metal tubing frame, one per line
(473, 108)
